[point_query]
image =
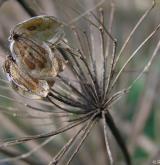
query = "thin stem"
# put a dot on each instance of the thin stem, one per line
(106, 139)
(103, 49)
(28, 105)
(79, 74)
(118, 137)
(75, 90)
(15, 154)
(145, 69)
(114, 97)
(105, 29)
(14, 112)
(95, 84)
(45, 110)
(86, 12)
(87, 87)
(110, 72)
(50, 97)
(117, 95)
(134, 53)
(111, 17)
(84, 136)
(92, 62)
(66, 100)
(83, 58)
(40, 136)
(133, 31)
(87, 115)
(66, 148)
(27, 154)
(108, 46)
(78, 38)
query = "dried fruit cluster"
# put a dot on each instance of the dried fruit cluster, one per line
(34, 61)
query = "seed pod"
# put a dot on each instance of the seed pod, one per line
(40, 62)
(24, 84)
(40, 29)
(30, 47)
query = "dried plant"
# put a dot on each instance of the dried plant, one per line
(84, 93)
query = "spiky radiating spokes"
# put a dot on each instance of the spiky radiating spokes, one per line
(87, 95)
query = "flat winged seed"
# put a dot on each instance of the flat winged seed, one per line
(35, 60)
(40, 62)
(40, 28)
(23, 83)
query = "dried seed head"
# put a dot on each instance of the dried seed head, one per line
(35, 61)
(23, 83)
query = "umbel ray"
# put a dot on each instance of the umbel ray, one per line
(87, 101)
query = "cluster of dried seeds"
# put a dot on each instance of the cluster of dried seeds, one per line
(34, 61)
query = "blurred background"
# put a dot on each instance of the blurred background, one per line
(137, 114)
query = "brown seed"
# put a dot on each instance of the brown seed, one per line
(23, 83)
